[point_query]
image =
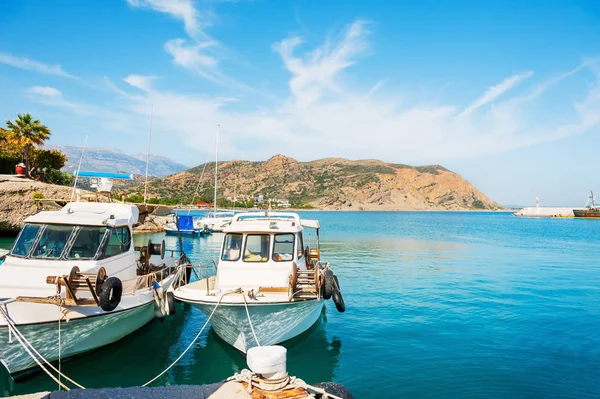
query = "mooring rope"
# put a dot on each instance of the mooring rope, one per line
(193, 341)
(249, 319)
(25, 344)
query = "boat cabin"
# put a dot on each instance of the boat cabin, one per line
(82, 234)
(260, 250)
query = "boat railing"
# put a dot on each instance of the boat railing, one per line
(202, 271)
(156, 274)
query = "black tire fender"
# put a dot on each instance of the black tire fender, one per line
(328, 284)
(110, 294)
(170, 303)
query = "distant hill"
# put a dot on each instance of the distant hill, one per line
(114, 160)
(332, 183)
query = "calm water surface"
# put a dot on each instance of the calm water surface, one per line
(439, 305)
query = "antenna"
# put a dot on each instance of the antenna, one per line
(148, 153)
(216, 163)
(78, 169)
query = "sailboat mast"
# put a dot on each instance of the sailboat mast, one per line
(148, 154)
(216, 163)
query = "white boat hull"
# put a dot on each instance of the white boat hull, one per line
(273, 322)
(77, 336)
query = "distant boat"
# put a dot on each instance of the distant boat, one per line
(186, 227)
(216, 220)
(590, 211)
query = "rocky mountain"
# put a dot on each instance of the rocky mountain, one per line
(331, 183)
(114, 160)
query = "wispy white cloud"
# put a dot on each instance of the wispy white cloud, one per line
(200, 54)
(314, 74)
(31, 65)
(493, 92)
(180, 9)
(54, 98)
(143, 83)
(193, 58)
(45, 91)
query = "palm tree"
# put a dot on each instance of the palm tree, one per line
(28, 132)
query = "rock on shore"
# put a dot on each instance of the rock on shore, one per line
(17, 200)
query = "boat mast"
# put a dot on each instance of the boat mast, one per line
(148, 153)
(216, 163)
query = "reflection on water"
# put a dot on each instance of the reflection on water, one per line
(439, 305)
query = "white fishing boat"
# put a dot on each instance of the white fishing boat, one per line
(74, 282)
(268, 286)
(215, 221)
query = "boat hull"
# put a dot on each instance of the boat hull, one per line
(273, 323)
(77, 336)
(586, 213)
(185, 233)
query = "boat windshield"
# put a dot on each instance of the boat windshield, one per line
(52, 241)
(257, 248)
(87, 242)
(25, 240)
(283, 247)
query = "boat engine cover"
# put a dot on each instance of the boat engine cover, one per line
(268, 361)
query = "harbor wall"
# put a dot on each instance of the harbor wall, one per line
(545, 212)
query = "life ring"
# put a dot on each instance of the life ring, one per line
(110, 294)
(329, 286)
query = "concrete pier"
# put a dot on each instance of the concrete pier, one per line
(545, 212)
(228, 390)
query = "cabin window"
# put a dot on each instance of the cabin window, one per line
(25, 240)
(52, 241)
(300, 248)
(87, 242)
(283, 247)
(118, 242)
(257, 248)
(232, 247)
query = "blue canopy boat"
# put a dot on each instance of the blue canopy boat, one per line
(185, 224)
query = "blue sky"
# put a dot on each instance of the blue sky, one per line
(503, 92)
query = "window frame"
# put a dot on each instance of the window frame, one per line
(240, 249)
(300, 247)
(246, 246)
(41, 228)
(67, 246)
(75, 236)
(275, 242)
(106, 240)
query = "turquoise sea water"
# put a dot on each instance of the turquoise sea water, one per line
(439, 305)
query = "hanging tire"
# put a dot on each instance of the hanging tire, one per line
(334, 388)
(170, 303)
(110, 294)
(338, 300)
(328, 284)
